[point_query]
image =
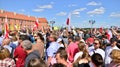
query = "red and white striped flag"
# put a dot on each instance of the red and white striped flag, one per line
(36, 25)
(6, 35)
(68, 19)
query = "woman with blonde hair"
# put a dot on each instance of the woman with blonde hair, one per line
(115, 55)
(82, 58)
(5, 60)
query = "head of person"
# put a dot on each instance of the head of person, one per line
(81, 46)
(97, 59)
(53, 37)
(113, 42)
(4, 53)
(6, 42)
(23, 37)
(70, 39)
(97, 43)
(26, 45)
(61, 55)
(77, 39)
(36, 62)
(58, 65)
(118, 36)
(14, 38)
(41, 37)
(36, 36)
(115, 55)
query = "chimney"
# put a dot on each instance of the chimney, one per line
(1, 11)
(14, 13)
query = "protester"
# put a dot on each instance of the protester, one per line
(72, 48)
(108, 51)
(52, 49)
(39, 44)
(61, 57)
(19, 53)
(5, 60)
(97, 49)
(27, 46)
(6, 43)
(97, 60)
(82, 57)
(115, 55)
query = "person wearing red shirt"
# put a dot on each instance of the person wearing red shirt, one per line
(19, 53)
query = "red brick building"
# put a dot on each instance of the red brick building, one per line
(22, 20)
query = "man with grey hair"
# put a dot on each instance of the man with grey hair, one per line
(27, 46)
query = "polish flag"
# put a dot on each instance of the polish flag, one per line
(35, 25)
(6, 35)
(68, 19)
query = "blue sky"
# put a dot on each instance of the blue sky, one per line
(104, 12)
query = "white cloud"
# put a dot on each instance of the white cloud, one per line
(80, 9)
(114, 14)
(38, 10)
(49, 6)
(42, 8)
(61, 14)
(77, 11)
(93, 3)
(72, 5)
(97, 11)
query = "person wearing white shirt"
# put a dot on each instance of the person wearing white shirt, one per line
(97, 49)
(108, 51)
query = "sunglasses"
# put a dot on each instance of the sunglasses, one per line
(95, 43)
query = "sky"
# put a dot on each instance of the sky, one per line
(106, 13)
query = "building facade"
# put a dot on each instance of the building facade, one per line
(21, 21)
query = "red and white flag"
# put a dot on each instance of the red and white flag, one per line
(6, 35)
(68, 19)
(36, 25)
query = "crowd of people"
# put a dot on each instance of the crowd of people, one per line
(61, 48)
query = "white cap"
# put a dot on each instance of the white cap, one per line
(59, 39)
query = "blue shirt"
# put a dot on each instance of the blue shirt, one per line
(1, 39)
(52, 49)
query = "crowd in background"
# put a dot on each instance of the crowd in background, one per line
(61, 48)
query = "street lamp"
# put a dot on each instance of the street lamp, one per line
(91, 22)
(52, 22)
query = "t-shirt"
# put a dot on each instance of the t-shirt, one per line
(72, 50)
(20, 54)
(7, 62)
